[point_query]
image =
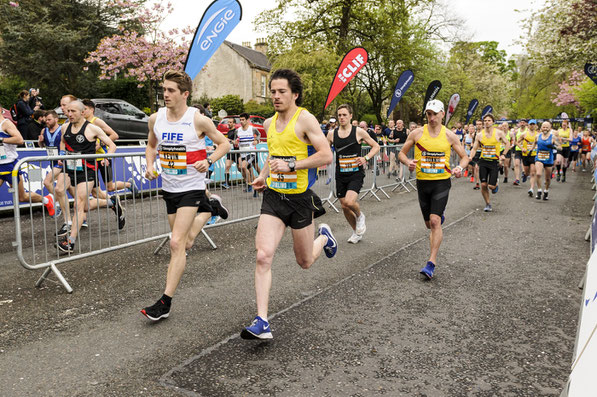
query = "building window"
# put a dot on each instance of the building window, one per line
(263, 86)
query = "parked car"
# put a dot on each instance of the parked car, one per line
(124, 118)
(255, 121)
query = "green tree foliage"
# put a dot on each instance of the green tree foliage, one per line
(479, 70)
(587, 96)
(396, 35)
(9, 88)
(232, 104)
(44, 43)
(260, 109)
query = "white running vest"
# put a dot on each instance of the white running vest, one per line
(8, 151)
(246, 138)
(179, 148)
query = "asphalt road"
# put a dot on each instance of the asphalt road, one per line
(499, 318)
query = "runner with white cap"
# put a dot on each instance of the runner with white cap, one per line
(433, 146)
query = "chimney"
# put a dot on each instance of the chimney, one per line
(261, 46)
(247, 44)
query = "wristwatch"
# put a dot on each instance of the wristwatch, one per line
(291, 165)
(209, 161)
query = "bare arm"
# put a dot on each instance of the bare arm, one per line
(206, 126)
(98, 133)
(475, 146)
(455, 143)
(15, 135)
(363, 136)
(151, 149)
(410, 142)
(107, 129)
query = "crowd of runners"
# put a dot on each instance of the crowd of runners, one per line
(186, 144)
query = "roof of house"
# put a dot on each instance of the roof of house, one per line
(254, 57)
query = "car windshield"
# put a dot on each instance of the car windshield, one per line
(227, 119)
(257, 120)
(129, 109)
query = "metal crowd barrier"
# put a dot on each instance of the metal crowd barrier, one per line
(146, 219)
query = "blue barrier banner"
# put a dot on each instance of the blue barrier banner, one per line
(124, 168)
(404, 82)
(472, 106)
(220, 18)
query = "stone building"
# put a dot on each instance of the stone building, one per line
(235, 70)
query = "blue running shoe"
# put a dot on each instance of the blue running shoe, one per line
(259, 329)
(443, 219)
(85, 224)
(428, 270)
(524, 178)
(494, 191)
(213, 220)
(331, 246)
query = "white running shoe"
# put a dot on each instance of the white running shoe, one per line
(361, 227)
(355, 238)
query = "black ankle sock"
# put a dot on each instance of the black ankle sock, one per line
(564, 170)
(559, 168)
(167, 300)
(227, 178)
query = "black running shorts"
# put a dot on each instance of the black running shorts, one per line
(573, 156)
(295, 210)
(77, 177)
(192, 198)
(509, 153)
(433, 196)
(105, 171)
(565, 152)
(517, 154)
(528, 160)
(353, 181)
(488, 172)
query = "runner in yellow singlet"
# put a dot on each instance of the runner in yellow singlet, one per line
(522, 128)
(297, 146)
(563, 155)
(433, 145)
(525, 141)
(489, 141)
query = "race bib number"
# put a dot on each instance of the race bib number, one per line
(348, 163)
(433, 162)
(574, 148)
(489, 151)
(2, 152)
(283, 180)
(173, 159)
(52, 151)
(74, 164)
(543, 155)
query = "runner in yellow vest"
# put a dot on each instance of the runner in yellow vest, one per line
(522, 128)
(526, 141)
(489, 141)
(433, 145)
(297, 146)
(563, 156)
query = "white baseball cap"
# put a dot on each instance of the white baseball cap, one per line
(332, 120)
(435, 106)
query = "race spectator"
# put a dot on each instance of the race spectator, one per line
(24, 112)
(207, 108)
(35, 126)
(35, 99)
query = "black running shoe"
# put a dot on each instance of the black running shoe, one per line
(157, 311)
(558, 177)
(216, 203)
(64, 230)
(118, 210)
(505, 180)
(545, 196)
(563, 178)
(65, 246)
(538, 197)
